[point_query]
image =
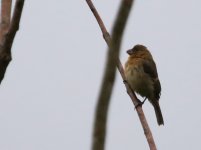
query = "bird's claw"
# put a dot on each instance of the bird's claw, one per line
(140, 103)
(144, 101)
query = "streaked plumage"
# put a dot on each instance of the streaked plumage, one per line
(142, 76)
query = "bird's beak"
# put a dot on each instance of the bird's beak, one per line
(130, 52)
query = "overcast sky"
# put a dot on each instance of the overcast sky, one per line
(49, 93)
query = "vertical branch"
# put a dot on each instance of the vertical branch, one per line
(101, 113)
(8, 37)
(5, 16)
(99, 145)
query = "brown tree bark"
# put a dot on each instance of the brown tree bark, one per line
(8, 33)
(5, 17)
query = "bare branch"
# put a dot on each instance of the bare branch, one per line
(7, 39)
(133, 97)
(100, 121)
(5, 16)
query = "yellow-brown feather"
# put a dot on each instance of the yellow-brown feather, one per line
(141, 75)
(139, 81)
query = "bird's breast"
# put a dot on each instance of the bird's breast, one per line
(139, 81)
(133, 75)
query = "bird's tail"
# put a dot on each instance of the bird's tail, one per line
(158, 112)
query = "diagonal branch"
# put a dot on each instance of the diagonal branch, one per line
(133, 97)
(8, 37)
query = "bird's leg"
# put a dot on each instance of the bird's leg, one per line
(144, 100)
(140, 103)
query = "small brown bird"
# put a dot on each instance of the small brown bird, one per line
(141, 75)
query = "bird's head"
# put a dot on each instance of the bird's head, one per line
(139, 51)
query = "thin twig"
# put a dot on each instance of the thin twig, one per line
(8, 37)
(133, 97)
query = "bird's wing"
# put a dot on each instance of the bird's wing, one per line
(149, 68)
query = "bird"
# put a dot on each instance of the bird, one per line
(142, 77)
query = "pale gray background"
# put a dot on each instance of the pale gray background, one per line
(49, 93)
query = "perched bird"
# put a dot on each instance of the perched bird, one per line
(142, 77)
